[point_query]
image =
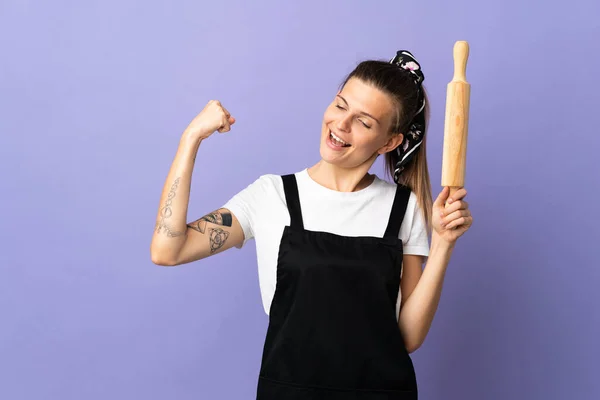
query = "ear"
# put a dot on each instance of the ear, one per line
(394, 141)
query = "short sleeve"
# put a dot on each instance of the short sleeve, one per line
(414, 232)
(246, 204)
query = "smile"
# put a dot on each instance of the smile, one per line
(337, 141)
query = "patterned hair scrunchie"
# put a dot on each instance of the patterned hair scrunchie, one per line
(414, 137)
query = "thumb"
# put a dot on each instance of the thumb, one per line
(442, 197)
(231, 120)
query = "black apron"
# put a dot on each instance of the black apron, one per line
(333, 332)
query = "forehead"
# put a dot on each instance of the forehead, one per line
(367, 98)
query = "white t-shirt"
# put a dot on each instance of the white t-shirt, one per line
(261, 210)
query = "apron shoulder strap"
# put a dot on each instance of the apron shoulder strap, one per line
(290, 187)
(398, 210)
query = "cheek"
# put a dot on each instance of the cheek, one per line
(365, 144)
(370, 141)
(330, 114)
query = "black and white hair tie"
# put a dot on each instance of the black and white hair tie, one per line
(414, 136)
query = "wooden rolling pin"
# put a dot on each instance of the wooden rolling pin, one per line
(457, 121)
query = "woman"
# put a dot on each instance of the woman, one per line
(340, 251)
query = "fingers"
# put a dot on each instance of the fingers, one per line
(445, 199)
(227, 113)
(457, 205)
(442, 197)
(225, 125)
(456, 214)
(228, 120)
(459, 194)
(455, 218)
(460, 222)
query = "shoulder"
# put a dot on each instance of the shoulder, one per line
(413, 217)
(264, 184)
(264, 191)
(254, 200)
(389, 189)
(269, 180)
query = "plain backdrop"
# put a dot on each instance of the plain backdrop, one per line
(94, 96)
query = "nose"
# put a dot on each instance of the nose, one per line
(343, 124)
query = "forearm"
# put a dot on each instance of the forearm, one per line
(419, 310)
(171, 220)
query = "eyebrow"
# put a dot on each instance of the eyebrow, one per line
(362, 112)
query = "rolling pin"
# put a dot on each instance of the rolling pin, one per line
(458, 94)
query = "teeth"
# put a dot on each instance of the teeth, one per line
(338, 139)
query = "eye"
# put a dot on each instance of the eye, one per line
(366, 125)
(340, 107)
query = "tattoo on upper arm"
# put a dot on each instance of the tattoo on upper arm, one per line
(216, 236)
(222, 218)
(166, 212)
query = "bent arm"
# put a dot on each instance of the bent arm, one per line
(416, 315)
(174, 242)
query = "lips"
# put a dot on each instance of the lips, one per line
(337, 141)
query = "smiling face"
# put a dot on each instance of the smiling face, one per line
(357, 124)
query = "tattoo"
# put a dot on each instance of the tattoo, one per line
(217, 217)
(166, 212)
(217, 237)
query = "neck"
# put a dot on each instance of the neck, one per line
(341, 179)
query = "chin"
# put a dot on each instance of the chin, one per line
(344, 159)
(339, 160)
(328, 155)
(329, 158)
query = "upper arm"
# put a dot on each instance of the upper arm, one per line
(416, 247)
(412, 269)
(212, 234)
(231, 225)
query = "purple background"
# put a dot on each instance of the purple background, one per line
(95, 94)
